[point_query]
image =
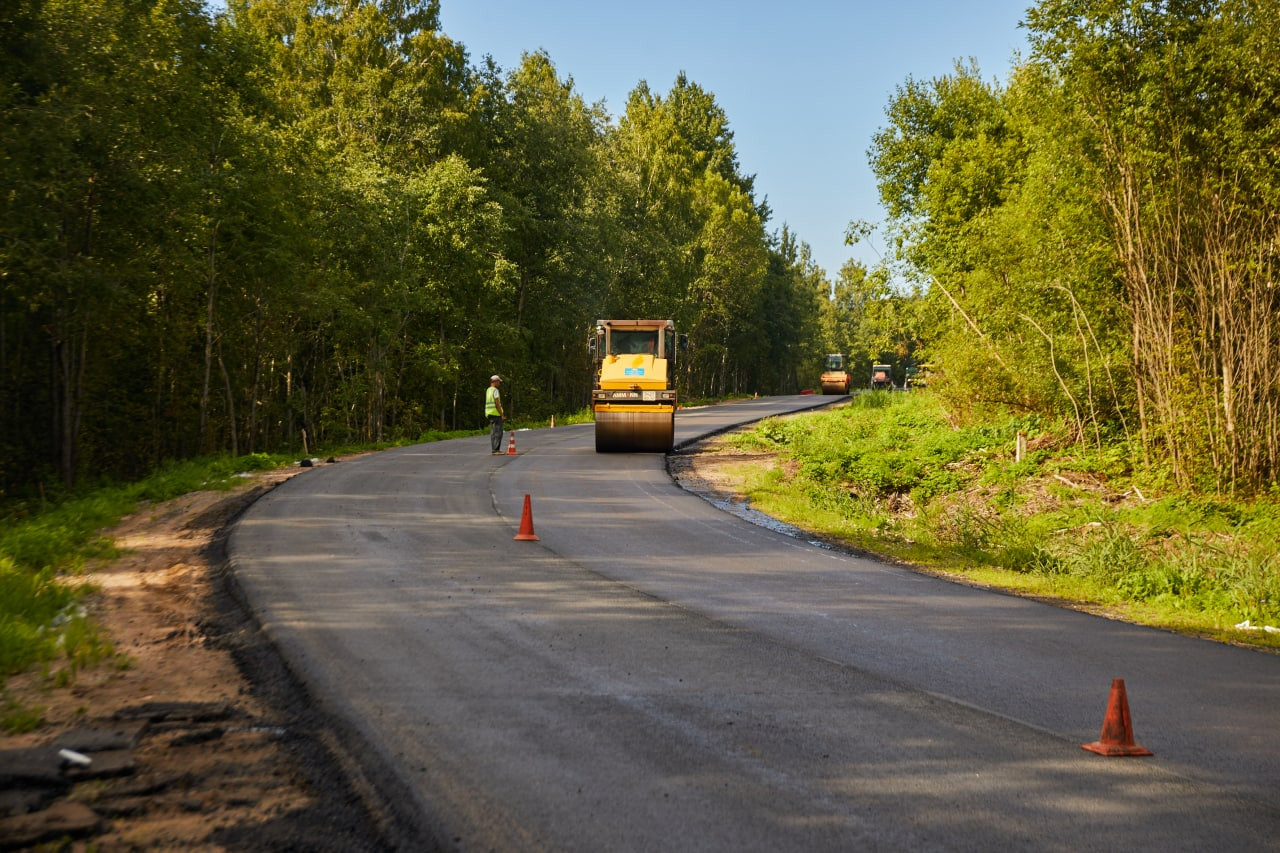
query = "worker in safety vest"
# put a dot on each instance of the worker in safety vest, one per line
(493, 411)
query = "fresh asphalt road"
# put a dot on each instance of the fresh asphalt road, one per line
(657, 674)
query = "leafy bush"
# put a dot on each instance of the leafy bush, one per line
(1189, 561)
(30, 602)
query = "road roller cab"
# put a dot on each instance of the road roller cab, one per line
(634, 399)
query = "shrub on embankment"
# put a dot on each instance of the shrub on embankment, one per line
(889, 473)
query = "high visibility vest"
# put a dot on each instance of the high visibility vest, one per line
(491, 398)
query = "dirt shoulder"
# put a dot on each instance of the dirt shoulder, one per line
(203, 741)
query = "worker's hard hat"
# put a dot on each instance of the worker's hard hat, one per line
(495, 378)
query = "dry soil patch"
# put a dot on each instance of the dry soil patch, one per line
(211, 744)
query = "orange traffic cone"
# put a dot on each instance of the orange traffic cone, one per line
(526, 533)
(1117, 730)
(553, 421)
(511, 445)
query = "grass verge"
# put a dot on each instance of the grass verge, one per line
(44, 548)
(890, 475)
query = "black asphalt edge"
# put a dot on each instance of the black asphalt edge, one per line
(687, 443)
(362, 803)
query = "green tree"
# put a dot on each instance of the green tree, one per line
(785, 358)
(380, 99)
(689, 240)
(992, 214)
(543, 146)
(1178, 102)
(112, 131)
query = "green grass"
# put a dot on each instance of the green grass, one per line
(16, 718)
(890, 474)
(61, 536)
(44, 547)
(582, 416)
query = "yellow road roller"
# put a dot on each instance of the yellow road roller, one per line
(634, 399)
(836, 379)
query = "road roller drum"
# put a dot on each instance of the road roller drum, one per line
(643, 432)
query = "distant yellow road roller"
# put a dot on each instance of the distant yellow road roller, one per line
(836, 379)
(634, 399)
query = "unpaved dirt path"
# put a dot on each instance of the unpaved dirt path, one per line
(215, 748)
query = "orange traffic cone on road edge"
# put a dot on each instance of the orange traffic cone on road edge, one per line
(526, 533)
(553, 421)
(1117, 730)
(511, 445)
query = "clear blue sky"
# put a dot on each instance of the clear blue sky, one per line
(804, 83)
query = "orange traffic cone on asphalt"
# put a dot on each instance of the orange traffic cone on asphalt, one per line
(1117, 730)
(553, 421)
(511, 445)
(526, 533)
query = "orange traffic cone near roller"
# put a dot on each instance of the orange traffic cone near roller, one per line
(526, 533)
(511, 445)
(1117, 730)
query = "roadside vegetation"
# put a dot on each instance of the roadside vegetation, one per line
(890, 474)
(45, 545)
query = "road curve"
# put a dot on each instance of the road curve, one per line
(655, 673)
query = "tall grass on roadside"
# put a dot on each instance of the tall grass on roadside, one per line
(41, 622)
(889, 473)
(29, 603)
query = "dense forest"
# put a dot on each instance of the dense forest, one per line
(220, 231)
(1095, 239)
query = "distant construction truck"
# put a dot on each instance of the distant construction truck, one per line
(634, 399)
(881, 377)
(917, 376)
